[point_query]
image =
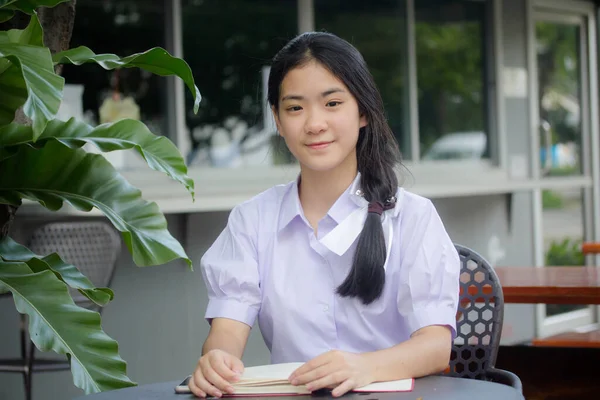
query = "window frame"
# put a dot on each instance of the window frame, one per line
(486, 176)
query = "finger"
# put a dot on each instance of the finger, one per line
(230, 369)
(345, 387)
(195, 389)
(329, 380)
(310, 365)
(214, 377)
(313, 375)
(204, 385)
(235, 364)
(224, 372)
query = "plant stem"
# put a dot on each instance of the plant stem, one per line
(7, 214)
(57, 23)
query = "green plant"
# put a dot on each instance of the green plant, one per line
(42, 160)
(565, 252)
(551, 199)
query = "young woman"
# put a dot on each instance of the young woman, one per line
(344, 270)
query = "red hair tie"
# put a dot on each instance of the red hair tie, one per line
(378, 208)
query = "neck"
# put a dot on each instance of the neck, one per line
(319, 190)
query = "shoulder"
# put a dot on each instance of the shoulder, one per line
(261, 206)
(412, 208)
(417, 217)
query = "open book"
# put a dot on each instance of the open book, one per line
(273, 380)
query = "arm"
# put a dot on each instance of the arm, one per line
(230, 272)
(426, 352)
(220, 364)
(427, 300)
(227, 335)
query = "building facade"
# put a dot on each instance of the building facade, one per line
(494, 104)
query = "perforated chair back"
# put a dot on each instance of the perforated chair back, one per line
(93, 247)
(479, 318)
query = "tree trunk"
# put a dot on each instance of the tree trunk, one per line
(57, 24)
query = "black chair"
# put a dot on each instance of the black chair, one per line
(479, 323)
(93, 247)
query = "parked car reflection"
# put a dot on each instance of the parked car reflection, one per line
(458, 146)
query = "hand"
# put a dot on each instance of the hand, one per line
(337, 370)
(215, 372)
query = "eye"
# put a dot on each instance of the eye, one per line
(333, 103)
(294, 108)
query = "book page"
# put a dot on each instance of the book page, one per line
(264, 376)
(267, 373)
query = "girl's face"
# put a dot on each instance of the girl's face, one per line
(318, 118)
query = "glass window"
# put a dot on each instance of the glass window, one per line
(229, 45)
(377, 29)
(559, 63)
(563, 230)
(451, 69)
(121, 27)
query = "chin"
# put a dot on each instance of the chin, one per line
(320, 165)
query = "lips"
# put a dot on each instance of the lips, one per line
(318, 145)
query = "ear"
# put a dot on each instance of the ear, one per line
(363, 121)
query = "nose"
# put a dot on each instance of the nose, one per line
(315, 123)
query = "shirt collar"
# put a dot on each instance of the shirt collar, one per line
(347, 231)
(348, 201)
(290, 205)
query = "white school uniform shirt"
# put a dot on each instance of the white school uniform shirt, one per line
(268, 265)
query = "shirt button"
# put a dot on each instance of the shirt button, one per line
(325, 308)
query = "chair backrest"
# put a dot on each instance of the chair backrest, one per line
(91, 246)
(479, 318)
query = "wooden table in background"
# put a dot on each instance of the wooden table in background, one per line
(550, 285)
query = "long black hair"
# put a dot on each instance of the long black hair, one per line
(377, 150)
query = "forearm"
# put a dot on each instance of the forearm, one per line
(229, 336)
(425, 353)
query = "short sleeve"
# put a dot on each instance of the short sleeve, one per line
(230, 270)
(430, 273)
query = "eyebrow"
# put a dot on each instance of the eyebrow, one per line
(323, 94)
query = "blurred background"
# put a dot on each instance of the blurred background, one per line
(493, 102)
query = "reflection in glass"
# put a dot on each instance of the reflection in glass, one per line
(563, 228)
(450, 69)
(559, 82)
(97, 95)
(377, 29)
(229, 45)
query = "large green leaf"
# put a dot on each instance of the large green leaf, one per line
(14, 91)
(29, 6)
(33, 70)
(56, 323)
(5, 15)
(8, 7)
(12, 84)
(33, 34)
(56, 173)
(156, 60)
(69, 274)
(158, 151)
(7, 152)
(6, 3)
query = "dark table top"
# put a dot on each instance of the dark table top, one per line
(429, 388)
